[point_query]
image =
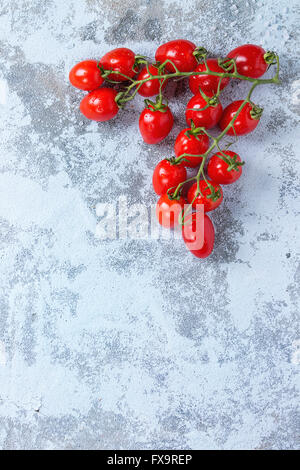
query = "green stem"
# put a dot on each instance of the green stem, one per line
(177, 73)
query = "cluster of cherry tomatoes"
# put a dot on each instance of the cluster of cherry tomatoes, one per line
(207, 78)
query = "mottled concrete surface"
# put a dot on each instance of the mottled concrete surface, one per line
(136, 344)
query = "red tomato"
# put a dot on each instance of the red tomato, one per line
(209, 204)
(219, 171)
(121, 60)
(243, 124)
(206, 118)
(195, 144)
(155, 124)
(151, 87)
(168, 210)
(100, 105)
(207, 83)
(180, 52)
(249, 60)
(167, 175)
(199, 235)
(86, 75)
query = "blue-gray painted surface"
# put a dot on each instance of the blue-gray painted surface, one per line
(135, 344)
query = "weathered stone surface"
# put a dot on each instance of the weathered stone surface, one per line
(127, 343)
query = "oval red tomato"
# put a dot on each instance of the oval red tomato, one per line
(244, 123)
(121, 60)
(194, 144)
(100, 105)
(180, 52)
(207, 83)
(249, 60)
(151, 87)
(86, 75)
(202, 116)
(219, 171)
(168, 210)
(167, 175)
(195, 198)
(199, 235)
(155, 124)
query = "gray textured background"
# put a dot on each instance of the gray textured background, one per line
(136, 344)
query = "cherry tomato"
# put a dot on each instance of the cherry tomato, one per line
(195, 144)
(167, 175)
(207, 83)
(244, 123)
(155, 124)
(206, 118)
(217, 168)
(168, 210)
(151, 87)
(209, 204)
(180, 52)
(249, 60)
(86, 75)
(100, 105)
(121, 60)
(196, 232)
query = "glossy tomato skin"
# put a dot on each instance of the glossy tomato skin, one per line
(217, 168)
(207, 83)
(167, 175)
(155, 125)
(121, 60)
(249, 60)
(86, 76)
(209, 204)
(206, 118)
(100, 104)
(244, 123)
(192, 144)
(180, 52)
(151, 87)
(191, 234)
(168, 210)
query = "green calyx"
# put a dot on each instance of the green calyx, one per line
(234, 165)
(226, 64)
(256, 112)
(194, 131)
(158, 105)
(175, 161)
(176, 195)
(214, 101)
(200, 53)
(214, 194)
(210, 101)
(270, 57)
(232, 162)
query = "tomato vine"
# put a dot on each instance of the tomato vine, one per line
(245, 63)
